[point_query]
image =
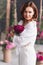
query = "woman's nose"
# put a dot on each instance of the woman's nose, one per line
(27, 14)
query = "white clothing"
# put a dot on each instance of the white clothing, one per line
(27, 55)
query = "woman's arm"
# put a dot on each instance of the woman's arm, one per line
(28, 35)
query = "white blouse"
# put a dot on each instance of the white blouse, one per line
(28, 36)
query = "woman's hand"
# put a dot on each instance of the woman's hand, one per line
(11, 34)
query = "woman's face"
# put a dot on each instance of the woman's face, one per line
(28, 13)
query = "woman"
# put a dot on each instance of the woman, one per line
(26, 40)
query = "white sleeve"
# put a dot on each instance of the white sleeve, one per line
(16, 40)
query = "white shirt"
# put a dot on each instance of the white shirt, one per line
(28, 35)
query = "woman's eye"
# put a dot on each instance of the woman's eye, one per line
(29, 11)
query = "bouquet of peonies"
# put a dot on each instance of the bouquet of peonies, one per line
(6, 48)
(10, 34)
(8, 44)
(18, 29)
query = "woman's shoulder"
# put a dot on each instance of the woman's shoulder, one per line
(33, 23)
(20, 22)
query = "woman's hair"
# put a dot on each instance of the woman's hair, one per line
(30, 4)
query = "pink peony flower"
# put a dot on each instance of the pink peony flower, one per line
(40, 56)
(10, 46)
(1, 42)
(8, 35)
(6, 42)
(18, 28)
